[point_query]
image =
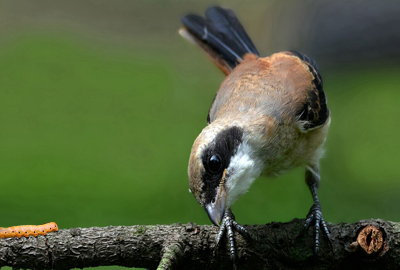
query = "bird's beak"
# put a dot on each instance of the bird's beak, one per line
(216, 208)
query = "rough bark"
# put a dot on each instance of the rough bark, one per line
(188, 246)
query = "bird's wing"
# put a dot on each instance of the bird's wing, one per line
(314, 112)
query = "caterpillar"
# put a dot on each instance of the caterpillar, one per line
(28, 230)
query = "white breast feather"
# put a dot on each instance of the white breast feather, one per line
(243, 169)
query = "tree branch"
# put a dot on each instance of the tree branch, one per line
(275, 246)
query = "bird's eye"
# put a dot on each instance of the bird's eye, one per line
(214, 164)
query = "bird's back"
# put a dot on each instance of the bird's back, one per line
(274, 86)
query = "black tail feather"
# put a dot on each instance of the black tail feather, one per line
(203, 30)
(222, 31)
(226, 22)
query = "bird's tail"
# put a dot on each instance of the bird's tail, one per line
(220, 35)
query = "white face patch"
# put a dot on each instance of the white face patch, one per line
(243, 169)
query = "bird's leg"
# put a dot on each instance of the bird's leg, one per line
(315, 213)
(228, 225)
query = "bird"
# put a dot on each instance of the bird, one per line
(269, 116)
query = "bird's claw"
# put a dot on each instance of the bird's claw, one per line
(228, 225)
(315, 214)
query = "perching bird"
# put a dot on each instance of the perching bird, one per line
(270, 115)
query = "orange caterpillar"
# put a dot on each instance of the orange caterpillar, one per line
(28, 230)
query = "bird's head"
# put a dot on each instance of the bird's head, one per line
(222, 167)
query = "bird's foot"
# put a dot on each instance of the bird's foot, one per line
(228, 225)
(315, 214)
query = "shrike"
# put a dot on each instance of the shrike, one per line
(269, 115)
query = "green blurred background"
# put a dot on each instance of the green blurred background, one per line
(100, 102)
